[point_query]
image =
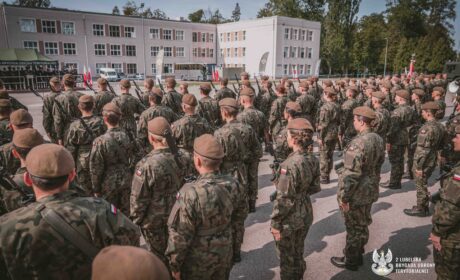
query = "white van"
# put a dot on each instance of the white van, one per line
(109, 74)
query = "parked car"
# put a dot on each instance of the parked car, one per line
(109, 74)
(121, 76)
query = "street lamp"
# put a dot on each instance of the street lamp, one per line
(386, 54)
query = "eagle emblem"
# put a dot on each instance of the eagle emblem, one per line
(382, 264)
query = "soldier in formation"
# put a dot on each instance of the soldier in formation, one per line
(102, 97)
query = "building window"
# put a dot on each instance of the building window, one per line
(285, 69)
(203, 52)
(221, 36)
(302, 35)
(167, 34)
(286, 52)
(211, 52)
(131, 68)
(244, 51)
(99, 49)
(168, 68)
(294, 34)
(70, 66)
(302, 52)
(31, 45)
(115, 50)
(180, 52)
(154, 68)
(301, 68)
(203, 37)
(168, 51)
(293, 52)
(114, 31)
(130, 32)
(194, 37)
(48, 26)
(228, 37)
(154, 50)
(51, 48)
(68, 28)
(286, 33)
(27, 25)
(221, 52)
(70, 48)
(244, 35)
(308, 71)
(98, 29)
(195, 52)
(130, 50)
(179, 35)
(118, 67)
(236, 36)
(235, 52)
(228, 52)
(309, 52)
(154, 33)
(309, 35)
(99, 66)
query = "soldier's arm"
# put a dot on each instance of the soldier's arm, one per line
(351, 174)
(283, 203)
(97, 165)
(139, 106)
(58, 122)
(47, 117)
(315, 185)
(273, 115)
(142, 130)
(422, 150)
(322, 123)
(120, 229)
(394, 129)
(72, 139)
(140, 194)
(445, 218)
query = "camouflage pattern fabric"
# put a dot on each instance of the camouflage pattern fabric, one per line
(66, 113)
(188, 128)
(100, 99)
(173, 100)
(209, 110)
(48, 117)
(129, 105)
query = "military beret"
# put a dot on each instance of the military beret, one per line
(54, 80)
(189, 99)
(229, 102)
(244, 74)
(265, 78)
(430, 105)
(49, 161)
(157, 91)
(379, 95)
(20, 117)
(5, 103)
(371, 87)
(158, 126)
(300, 124)
(327, 83)
(291, 105)
(386, 84)
(86, 98)
(354, 89)
(330, 91)
(27, 138)
(4, 94)
(246, 83)
(439, 89)
(457, 129)
(102, 81)
(207, 146)
(126, 263)
(206, 87)
(68, 78)
(403, 94)
(353, 80)
(418, 91)
(364, 111)
(125, 83)
(111, 107)
(247, 92)
(363, 80)
(304, 84)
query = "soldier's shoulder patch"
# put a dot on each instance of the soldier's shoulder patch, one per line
(113, 209)
(283, 171)
(423, 131)
(456, 177)
(139, 171)
(178, 196)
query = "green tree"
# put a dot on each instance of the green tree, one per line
(157, 13)
(115, 10)
(196, 16)
(266, 11)
(216, 17)
(236, 14)
(130, 9)
(33, 3)
(306, 9)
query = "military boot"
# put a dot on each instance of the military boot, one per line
(391, 186)
(324, 180)
(237, 257)
(417, 211)
(408, 175)
(342, 262)
(252, 206)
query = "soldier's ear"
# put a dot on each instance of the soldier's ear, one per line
(27, 179)
(72, 175)
(15, 154)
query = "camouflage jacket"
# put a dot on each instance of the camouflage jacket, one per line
(145, 98)
(12, 198)
(401, 119)
(16, 105)
(282, 149)
(224, 92)
(155, 185)
(254, 118)
(359, 179)
(430, 139)
(129, 105)
(263, 102)
(308, 104)
(100, 99)
(201, 219)
(382, 122)
(276, 118)
(234, 147)
(111, 160)
(48, 117)
(446, 215)
(6, 134)
(150, 114)
(66, 112)
(299, 178)
(7, 160)
(209, 110)
(250, 140)
(442, 109)
(173, 100)
(188, 128)
(328, 121)
(347, 117)
(31, 249)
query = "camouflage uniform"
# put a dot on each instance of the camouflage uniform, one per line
(201, 224)
(129, 105)
(254, 118)
(276, 119)
(154, 188)
(282, 149)
(48, 117)
(398, 137)
(100, 99)
(263, 102)
(442, 109)
(209, 110)
(79, 143)
(382, 122)
(173, 100)
(347, 129)
(430, 139)
(308, 104)
(7, 160)
(359, 186)
(6, 134)
(328, 126)
(111, 167)
(413, 132)
(292, 210)
(62, 119)
(145, 98)
(16, 105)
(12, 199)
(452, 157)
(445, 225)
(31, 249)
(224, 92)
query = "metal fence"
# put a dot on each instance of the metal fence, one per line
(36, 81)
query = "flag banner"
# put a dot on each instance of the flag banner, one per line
(263, 63)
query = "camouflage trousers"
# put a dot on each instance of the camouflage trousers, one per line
(357, 220)
(421, 185)
(253, 185)
(290, 252)
(396, 157)
(326, 153)
(84, 179)
(410, 156)
(237, 236)
(157, 240)
(447, 262)
(129, 126)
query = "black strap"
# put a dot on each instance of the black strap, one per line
(67, 231)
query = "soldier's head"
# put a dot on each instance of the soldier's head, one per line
(300, 133)
(280, 90)
(189, 103)
(417, 94)
(352, 92)
(86, 103)
(303, 87)
(23, 141)
(207, 153)
(363, 118)
(183, 88)
(20, 119)
(149, 84)
(155, 97)
(102, 83)
(205, 89)
(50, 169)
(456, 139)
(228, 109)
(402, 96)
(247, 97)
(55, 84)
(244, 76)
(157, 129)
(429, 110)
(223, 82)
(111, 114)
(330, 94)
(245, 84)
(5, 108)
(292, 110)
(170, 83)
(437, 93)
(125, 85)
(68, 81)
(377, 99)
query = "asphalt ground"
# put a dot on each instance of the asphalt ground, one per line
(405, 236)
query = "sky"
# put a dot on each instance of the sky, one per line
(181, 8)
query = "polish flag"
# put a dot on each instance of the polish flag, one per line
(89, 78)
(84, 73)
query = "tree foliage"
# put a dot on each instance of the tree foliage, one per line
(236, 14)
(33, 3)
(132, 9)
(115, 11)
(196, 16)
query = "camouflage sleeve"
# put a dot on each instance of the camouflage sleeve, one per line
(47, 111)
(322, 123)
(120, 229)
(445, 218)
(315, 185)
(208, 127)
(349, 178)
(97, 164)
(283, 203)
(423, 149)
(72, 140)
(394, 129)
(273, 115)
(142, 130)
(256, 146)
(140, 194)
(139, 106)
(58, 122)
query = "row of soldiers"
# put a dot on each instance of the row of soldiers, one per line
(235, 147)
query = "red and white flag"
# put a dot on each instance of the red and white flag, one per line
(84, 73)
(89, 78)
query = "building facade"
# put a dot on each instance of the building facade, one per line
(130, 44)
